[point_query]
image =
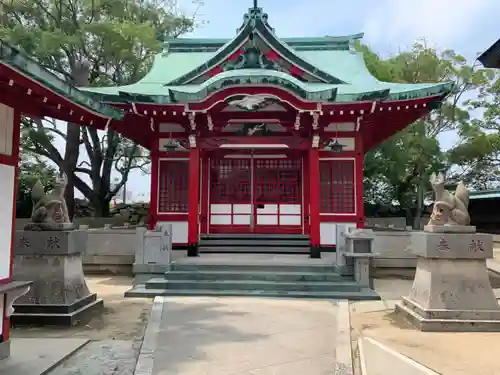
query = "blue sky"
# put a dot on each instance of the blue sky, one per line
(467, 26)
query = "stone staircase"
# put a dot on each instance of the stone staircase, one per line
(238, 276)
(254, 244)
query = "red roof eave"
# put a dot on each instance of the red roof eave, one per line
(25, 93)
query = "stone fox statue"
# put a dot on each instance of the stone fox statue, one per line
(449, 209)
(50, 208)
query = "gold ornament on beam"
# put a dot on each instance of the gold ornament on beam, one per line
(210, 123)
(296, 126)
(192, 141)
(315, 116)
(192, 123)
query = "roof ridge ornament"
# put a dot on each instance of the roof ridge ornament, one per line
(255, 13)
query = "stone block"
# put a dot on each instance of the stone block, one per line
(451, 290)
(450, 229)
(461, 324)
(61, 242)
(4, 349)
(59, 294)
(452, 245)
(153, 252)
(453, 284)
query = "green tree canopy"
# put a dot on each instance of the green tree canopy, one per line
(397, 171)
(90, 43)
(477, 156)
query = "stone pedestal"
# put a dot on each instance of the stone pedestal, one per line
(451, 290)
(358, 256)
(59, 294)
(152, 254)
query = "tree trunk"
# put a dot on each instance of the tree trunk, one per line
(80, 76)
(101, 207)
(71, 155)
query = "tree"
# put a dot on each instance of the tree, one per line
(477, 156)
(403, 163)
(90, 43)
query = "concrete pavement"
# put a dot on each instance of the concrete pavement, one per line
(246, 336)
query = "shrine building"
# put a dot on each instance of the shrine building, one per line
(253, 135)
(260, 134)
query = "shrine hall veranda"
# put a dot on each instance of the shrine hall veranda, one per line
(255, 134)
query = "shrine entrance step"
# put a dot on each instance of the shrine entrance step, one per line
(254, 244)
(254, 275)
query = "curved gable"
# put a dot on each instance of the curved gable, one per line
(257, 47)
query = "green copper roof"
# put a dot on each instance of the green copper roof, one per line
(19, 61)
(339, 72)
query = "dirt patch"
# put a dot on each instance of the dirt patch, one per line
(446, 353)
(122, 319)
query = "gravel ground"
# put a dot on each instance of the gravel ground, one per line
(116, 334)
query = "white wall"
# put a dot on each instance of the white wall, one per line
(7, 175)
(6, 129)
(179, 231)
(328, 233)
(7, 179)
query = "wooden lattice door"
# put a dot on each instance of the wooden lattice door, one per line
(230, 205)
(255, 195)
(278, 195)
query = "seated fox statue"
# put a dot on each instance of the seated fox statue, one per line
(50, 211)
(449, 209)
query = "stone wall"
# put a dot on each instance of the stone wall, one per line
(394, 257)
(110, 251)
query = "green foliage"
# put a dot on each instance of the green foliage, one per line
(477, 156)
(90, 43)
(397, 171)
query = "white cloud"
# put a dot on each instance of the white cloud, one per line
(442, 22)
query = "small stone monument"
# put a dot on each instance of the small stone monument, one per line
(451, 290)
(153, 253)
(49, 252)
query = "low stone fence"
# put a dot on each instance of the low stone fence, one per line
(394, 257)
(91, 222)
(110, 251)
(392, 222)
(113, 251)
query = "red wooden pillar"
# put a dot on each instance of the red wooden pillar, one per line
(155, 179)
(314, 201)
(359, 160)
(305, 174)
(193, 203)
(205, 190)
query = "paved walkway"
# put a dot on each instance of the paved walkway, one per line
(245, 336)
